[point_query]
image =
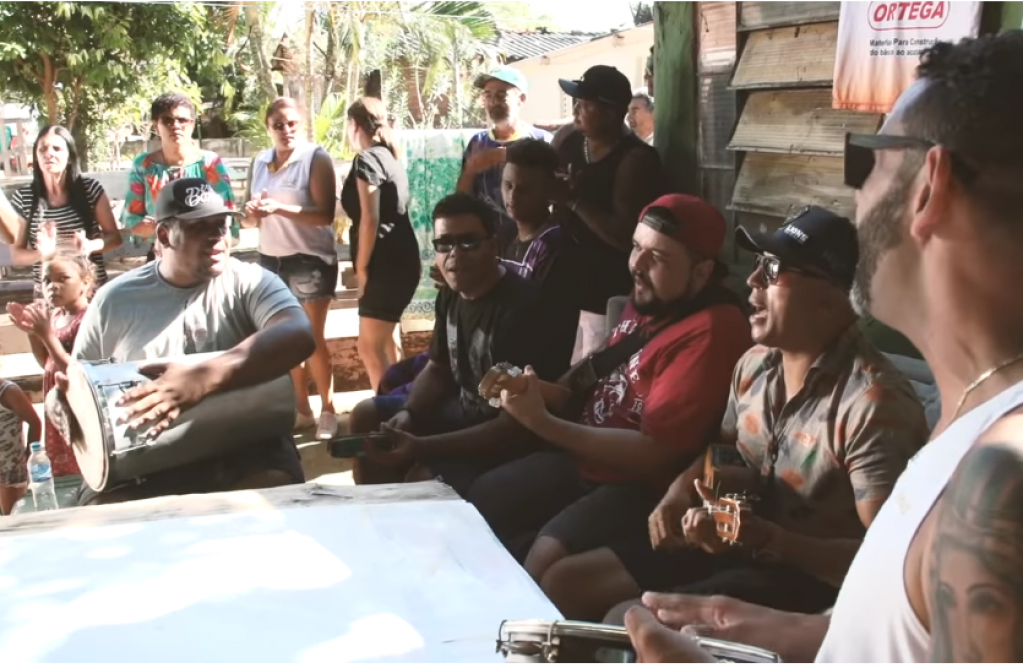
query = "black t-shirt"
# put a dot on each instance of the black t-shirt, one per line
(605, 269)
(513, 323)
(396, 250)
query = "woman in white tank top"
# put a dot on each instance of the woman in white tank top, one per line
(292, 199)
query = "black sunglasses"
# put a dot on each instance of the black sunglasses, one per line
(773, 268)
(860, 159)
(448, 243)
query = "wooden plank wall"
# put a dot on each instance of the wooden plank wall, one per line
(715, 59)
(788, 140)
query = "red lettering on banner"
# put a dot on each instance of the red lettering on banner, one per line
(908, 15)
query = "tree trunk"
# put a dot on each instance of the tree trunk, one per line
(374, 85)
(458, 79)
(257, 43)
(79, 132)
(50, 91)
(307, 75)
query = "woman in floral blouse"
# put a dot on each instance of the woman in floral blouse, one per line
(179, 156)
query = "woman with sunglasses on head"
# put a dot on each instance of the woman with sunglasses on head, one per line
(61, 197)
(384, 247)
(178, 157)
(292, 198)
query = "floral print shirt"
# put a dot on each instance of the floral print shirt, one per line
(148, 177)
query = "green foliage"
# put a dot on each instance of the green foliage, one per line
(329, 130)
(83, 62)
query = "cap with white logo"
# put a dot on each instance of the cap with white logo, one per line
(814, 238)
(191, 199)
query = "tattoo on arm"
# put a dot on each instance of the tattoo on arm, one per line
(976, 577)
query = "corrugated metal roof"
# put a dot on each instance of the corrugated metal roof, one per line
(519, 45)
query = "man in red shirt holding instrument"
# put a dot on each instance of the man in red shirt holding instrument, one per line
(650, 400)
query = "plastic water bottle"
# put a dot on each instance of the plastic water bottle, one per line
(40, 475)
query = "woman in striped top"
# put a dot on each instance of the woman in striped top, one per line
(61, 195)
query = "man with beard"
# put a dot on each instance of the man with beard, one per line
(818, 419)
(197, 299)
(656, 398)
(940, 218)
(504, 93)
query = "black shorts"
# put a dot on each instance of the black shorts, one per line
(213, 475)
(307, 276)
(387, 294)
(733, 573)
(543, 495)
(457, 472)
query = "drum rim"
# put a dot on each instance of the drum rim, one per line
(547, 630)
(80, 369)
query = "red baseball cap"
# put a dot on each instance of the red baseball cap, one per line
(689, 220)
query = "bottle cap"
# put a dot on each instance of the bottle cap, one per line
(36, 446)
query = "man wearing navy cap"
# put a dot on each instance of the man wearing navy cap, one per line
(197, 299)
(819, 425)
(503, 92)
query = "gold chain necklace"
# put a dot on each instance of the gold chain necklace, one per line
(982, 377)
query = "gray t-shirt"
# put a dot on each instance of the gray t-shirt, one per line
(140, 316)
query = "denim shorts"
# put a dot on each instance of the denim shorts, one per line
(307, 276)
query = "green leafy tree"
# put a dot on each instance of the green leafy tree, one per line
(77, 60)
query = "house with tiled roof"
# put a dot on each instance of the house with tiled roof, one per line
(516, 45)
(625, 49)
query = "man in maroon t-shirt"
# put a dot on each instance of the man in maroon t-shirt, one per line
(602, 473)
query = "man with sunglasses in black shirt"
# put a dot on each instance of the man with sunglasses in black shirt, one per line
(488, 315)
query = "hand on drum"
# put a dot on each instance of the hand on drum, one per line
(793, 636)
(656, 643)
(174, 389)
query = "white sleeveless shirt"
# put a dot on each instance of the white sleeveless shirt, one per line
(280, 236)
(873, 621)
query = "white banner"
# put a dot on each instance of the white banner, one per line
(879, 46)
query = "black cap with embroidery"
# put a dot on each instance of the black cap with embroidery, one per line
(190, 199)
(815, 239)
(601, 83)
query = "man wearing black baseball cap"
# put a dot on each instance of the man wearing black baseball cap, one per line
(824, 420)
(612, 176)
(197, 299)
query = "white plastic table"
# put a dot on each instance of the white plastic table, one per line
(308, 573)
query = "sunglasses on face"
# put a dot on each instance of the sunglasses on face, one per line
(448, 243)
(773, 267)
(860, 158)
(279, 126)
(207, 226)
(171, 121)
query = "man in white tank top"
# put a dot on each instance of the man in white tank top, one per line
(939, 576)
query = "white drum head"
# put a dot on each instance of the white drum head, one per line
(89, 439)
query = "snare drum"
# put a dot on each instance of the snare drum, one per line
(536, 641)
(109, 453)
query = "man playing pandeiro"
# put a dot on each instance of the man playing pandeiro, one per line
(939, 212)
(197, 299)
